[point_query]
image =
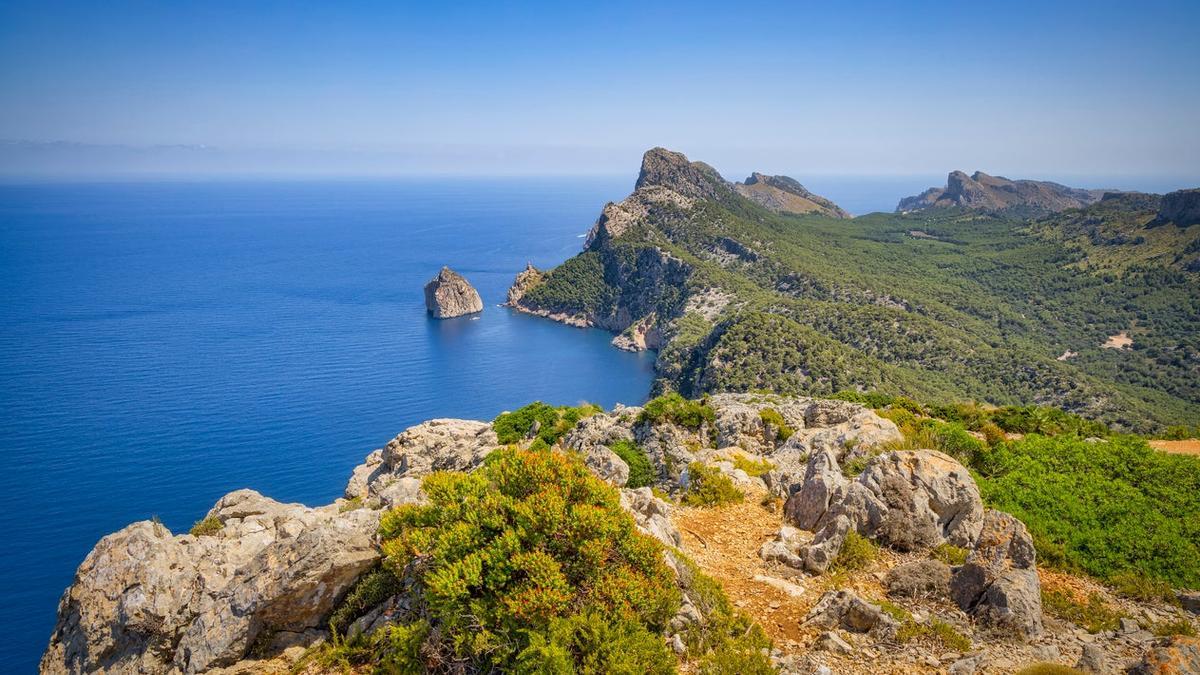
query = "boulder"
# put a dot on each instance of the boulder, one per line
(907, 499)
(1092, 660)
(607, 465)
(845, 609)
(436, 445)
(652, 515)
(449, 294)
(146, 601)
(919, 579)
(998, 584)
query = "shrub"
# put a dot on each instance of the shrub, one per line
(553, 421)
(936, 629)
(207, 527)
(352, 504)
(753, 467)
(949, 554)
(772, 417)
(641, 473)
(856, 465)
(371, 589)
(1106, 508)
(528, 564)
(1141, 587)
(678, 410)
(707, 486)
(1093, 616)
(1175, 627)
(857, 553)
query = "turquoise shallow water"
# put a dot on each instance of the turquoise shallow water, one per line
(163, 344)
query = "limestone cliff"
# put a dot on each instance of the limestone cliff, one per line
(996, 193)
(449, 294)
(786, 195)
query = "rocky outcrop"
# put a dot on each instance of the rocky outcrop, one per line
(525, 280)
(999, 584)
(449, 295)
(147, 601)
(786, 195)
(1173, 656)
(672, 170)
(1181, 208)
(907, 499)
(845, 609)
(919, 579)
(391, 473)
(996, 193)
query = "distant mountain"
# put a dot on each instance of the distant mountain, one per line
(1129, 230)
(996, 193)
(782, 194)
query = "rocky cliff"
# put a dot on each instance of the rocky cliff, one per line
(996, 193)
(449, 294)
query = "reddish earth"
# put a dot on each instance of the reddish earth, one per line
(1188, 447)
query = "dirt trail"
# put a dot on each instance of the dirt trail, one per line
(1188, 447)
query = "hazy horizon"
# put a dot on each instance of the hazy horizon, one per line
(373, 89)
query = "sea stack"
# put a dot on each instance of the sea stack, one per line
(449, 295)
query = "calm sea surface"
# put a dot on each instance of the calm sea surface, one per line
(163, 344)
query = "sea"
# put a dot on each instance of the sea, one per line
(162, 344)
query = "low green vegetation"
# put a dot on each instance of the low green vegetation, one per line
(552, 422)
(1094, 615)
(641, 472)
(753, 467)
(857, 553)
(935, 630)
(772, 417)
(207, 527)
(1049, 669)
(677, 410)
(1180, 432)
(1141, 587)
(371, 589)
(707, 486)
(351, 504)
(574, 287)
(1116, 509)
(1173, 627)
(949, 553)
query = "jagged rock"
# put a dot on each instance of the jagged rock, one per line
(670, 448)
(1092, 660)
(602, 430)
(525, 280)
(652, 515)
(449, 295)
(436, 445)
(643, 334)
(146, 601)
(1189, 601)
(783, 547)
(906, 499)
(847, 429)
(785, 195)
(672, 170)
(607, 465)
(845, 609)
(967, 666)
(919, 579)
(1173, 656)
(994, 193)
(1181, 207)
(998, 584)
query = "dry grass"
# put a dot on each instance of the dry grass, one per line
(1188, 447)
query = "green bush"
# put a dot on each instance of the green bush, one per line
(641, 473)
(553, 422)
(1048, 669)
(371, 589)
(576, 286)
(527, 564)
(1174, 627)
(1093, 616)
(207, 527)
(857, 553)
(772, 417)
(1106, 508)
(677, 410)
(1141, 587)
(707, 486)
(753, 467)
(944, 633)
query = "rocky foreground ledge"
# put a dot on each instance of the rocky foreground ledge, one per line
(258, 579)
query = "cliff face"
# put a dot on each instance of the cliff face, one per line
(995, 193)
(449, 294)
(1181, 208)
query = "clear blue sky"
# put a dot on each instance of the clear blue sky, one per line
(1021, 88)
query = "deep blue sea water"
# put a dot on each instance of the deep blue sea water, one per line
(162, 344)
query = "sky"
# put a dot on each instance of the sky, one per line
(1023, 89)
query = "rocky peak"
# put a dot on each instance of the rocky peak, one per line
(784, 194)
(449, 294)
(1181, 207)
(673, 170)
(995, 193)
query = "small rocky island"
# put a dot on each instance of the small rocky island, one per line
(449, 294)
